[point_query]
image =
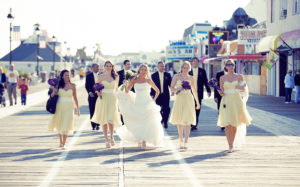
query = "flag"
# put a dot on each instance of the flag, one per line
(16, 35)
(42, 42)
(273, 58)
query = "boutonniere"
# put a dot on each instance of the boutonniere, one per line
(166, 78)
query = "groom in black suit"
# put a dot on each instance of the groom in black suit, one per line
(91, 79)
(162, 80)
(217, 96)
(200, 78)
(122, 74)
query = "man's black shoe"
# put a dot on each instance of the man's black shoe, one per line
(165, 126)
(222, 128)
(193, 128)
(97, 127)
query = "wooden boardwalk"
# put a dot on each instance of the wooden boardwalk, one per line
(29, 155)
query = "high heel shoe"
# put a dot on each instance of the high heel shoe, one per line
(107, 144)
(61, 145)
(181, 145)
(112, 141)
(144, 145)
(185, 145)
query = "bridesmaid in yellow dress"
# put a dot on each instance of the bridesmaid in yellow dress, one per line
(233, 114)
(62, 121)
(106, 109)
(183, 111)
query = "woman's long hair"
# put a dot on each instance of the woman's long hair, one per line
(185, 63)
(114, 74)
(61, 83)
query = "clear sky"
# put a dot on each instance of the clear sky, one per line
(119, 25)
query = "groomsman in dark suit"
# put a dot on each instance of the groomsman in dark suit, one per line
(162, 80)
(122, 74)
(91, 79)
(217, 96)
(200, 78)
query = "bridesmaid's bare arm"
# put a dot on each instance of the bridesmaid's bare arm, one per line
(195, 93)
(173, 83)
(131, 83)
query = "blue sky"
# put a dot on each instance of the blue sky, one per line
(119, 25)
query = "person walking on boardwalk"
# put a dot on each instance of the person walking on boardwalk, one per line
(140, 112)
(183, 111)
(90, 80)
(200, 79)
(233, 114)
(106, 109)
(162, 80)
(289, 85)
(63, 119)
(12, 79)
(297, 85)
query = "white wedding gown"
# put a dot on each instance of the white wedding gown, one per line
(141, 115)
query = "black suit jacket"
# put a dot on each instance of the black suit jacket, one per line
(89, 83)
(201, 82)
(121, 74)
(216, 93)
(167, 82)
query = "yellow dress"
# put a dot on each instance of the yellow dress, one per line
(62, 121)
(106, 109)
(183, 111)
(233, 110)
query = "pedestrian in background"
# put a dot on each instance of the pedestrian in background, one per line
(12, 80)
(297, 85)
(2, 77)
(63, 119)
(23, 88)
(289, 85)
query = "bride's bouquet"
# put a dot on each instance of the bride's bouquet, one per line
(214, 83)
(128, 76)
(98, 87)
(185, 85)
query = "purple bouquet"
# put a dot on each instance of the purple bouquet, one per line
(214, 83)
(98, 87)
(185, 86)
(53, 82)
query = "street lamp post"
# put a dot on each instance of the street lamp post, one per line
(54, 42)
(10, 17)
(37, 32)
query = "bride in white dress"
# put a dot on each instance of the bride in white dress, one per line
(141, 115)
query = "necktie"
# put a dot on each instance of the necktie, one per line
(195, 75)
(161, 79)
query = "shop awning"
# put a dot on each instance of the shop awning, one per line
(267, 43)
(292, 38)
(247, 57)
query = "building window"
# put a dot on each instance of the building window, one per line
(296, 7)
(297, 60)
(283, 9)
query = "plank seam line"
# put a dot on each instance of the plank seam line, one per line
(56, 167)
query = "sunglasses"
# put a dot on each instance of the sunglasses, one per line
(230, 64)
